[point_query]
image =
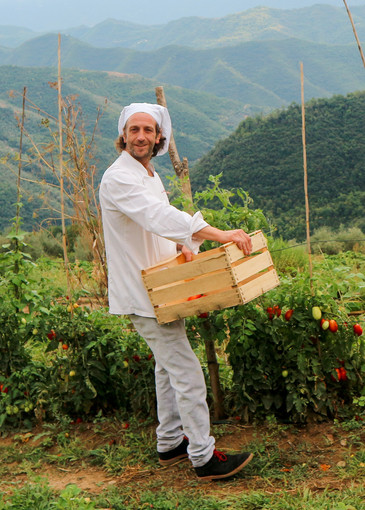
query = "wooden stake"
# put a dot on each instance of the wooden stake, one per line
(355, 32)
(18, 197)
(181, 167)
(60, 129)
(20, 161)
(306, 179)
(182, 171)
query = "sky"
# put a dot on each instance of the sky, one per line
(43, 15)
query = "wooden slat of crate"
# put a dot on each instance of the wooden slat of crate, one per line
(184, 289)
(252, 265)
(258, 284)
(213, 301)
(197, 267)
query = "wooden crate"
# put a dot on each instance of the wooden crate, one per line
(213, 280)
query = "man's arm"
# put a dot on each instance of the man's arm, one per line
(238, 236)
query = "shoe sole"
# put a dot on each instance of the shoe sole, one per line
(175, 460)
(227, 475)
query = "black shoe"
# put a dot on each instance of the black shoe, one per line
(173, 456)
(223, 466)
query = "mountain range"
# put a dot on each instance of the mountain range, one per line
(263, 74)
(217, 73)
(323, 24)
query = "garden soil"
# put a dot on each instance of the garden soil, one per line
(322, 446)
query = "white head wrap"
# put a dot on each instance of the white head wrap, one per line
(159, 113)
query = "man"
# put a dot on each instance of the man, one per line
(141, 228)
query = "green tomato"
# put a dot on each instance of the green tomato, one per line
(285, 373)
(23, 320)
(325, 325)
(316, 312)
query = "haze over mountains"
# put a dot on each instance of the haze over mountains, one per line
(319, 23)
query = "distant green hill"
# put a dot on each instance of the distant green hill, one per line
(263, 75)
(199, 120)
(318, 23)
(264, 156)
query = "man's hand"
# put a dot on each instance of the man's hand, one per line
(238, 236)
(188, 254)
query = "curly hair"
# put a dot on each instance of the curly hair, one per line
(120, 144)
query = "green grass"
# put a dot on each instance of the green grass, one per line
(38, 495)
(284, 475)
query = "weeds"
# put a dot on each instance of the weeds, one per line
(290, 470)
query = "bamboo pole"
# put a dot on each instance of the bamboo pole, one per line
(355, 32)
(60, 130)
(182, 171)
(306, 178)
(18, 196)
(181, 167)
(20, 162)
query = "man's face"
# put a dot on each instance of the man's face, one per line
(140, 136)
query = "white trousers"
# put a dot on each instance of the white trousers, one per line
(180, 389)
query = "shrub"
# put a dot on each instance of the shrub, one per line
(332, 242)
(289, 366)
(74, 363)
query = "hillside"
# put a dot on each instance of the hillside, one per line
(261, 23)
(264, 74)
(264, 156)
(199, 120)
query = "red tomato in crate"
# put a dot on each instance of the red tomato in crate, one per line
(191, 298)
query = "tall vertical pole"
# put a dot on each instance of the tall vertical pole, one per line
(355, 32)
(181, 167)
(18, 197)
(306, 178)
(20, 162)
(60, 136)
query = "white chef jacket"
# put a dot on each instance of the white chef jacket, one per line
(140, 228)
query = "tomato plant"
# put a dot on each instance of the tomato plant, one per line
(288, 367)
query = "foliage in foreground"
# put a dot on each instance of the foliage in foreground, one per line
(60, 361)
